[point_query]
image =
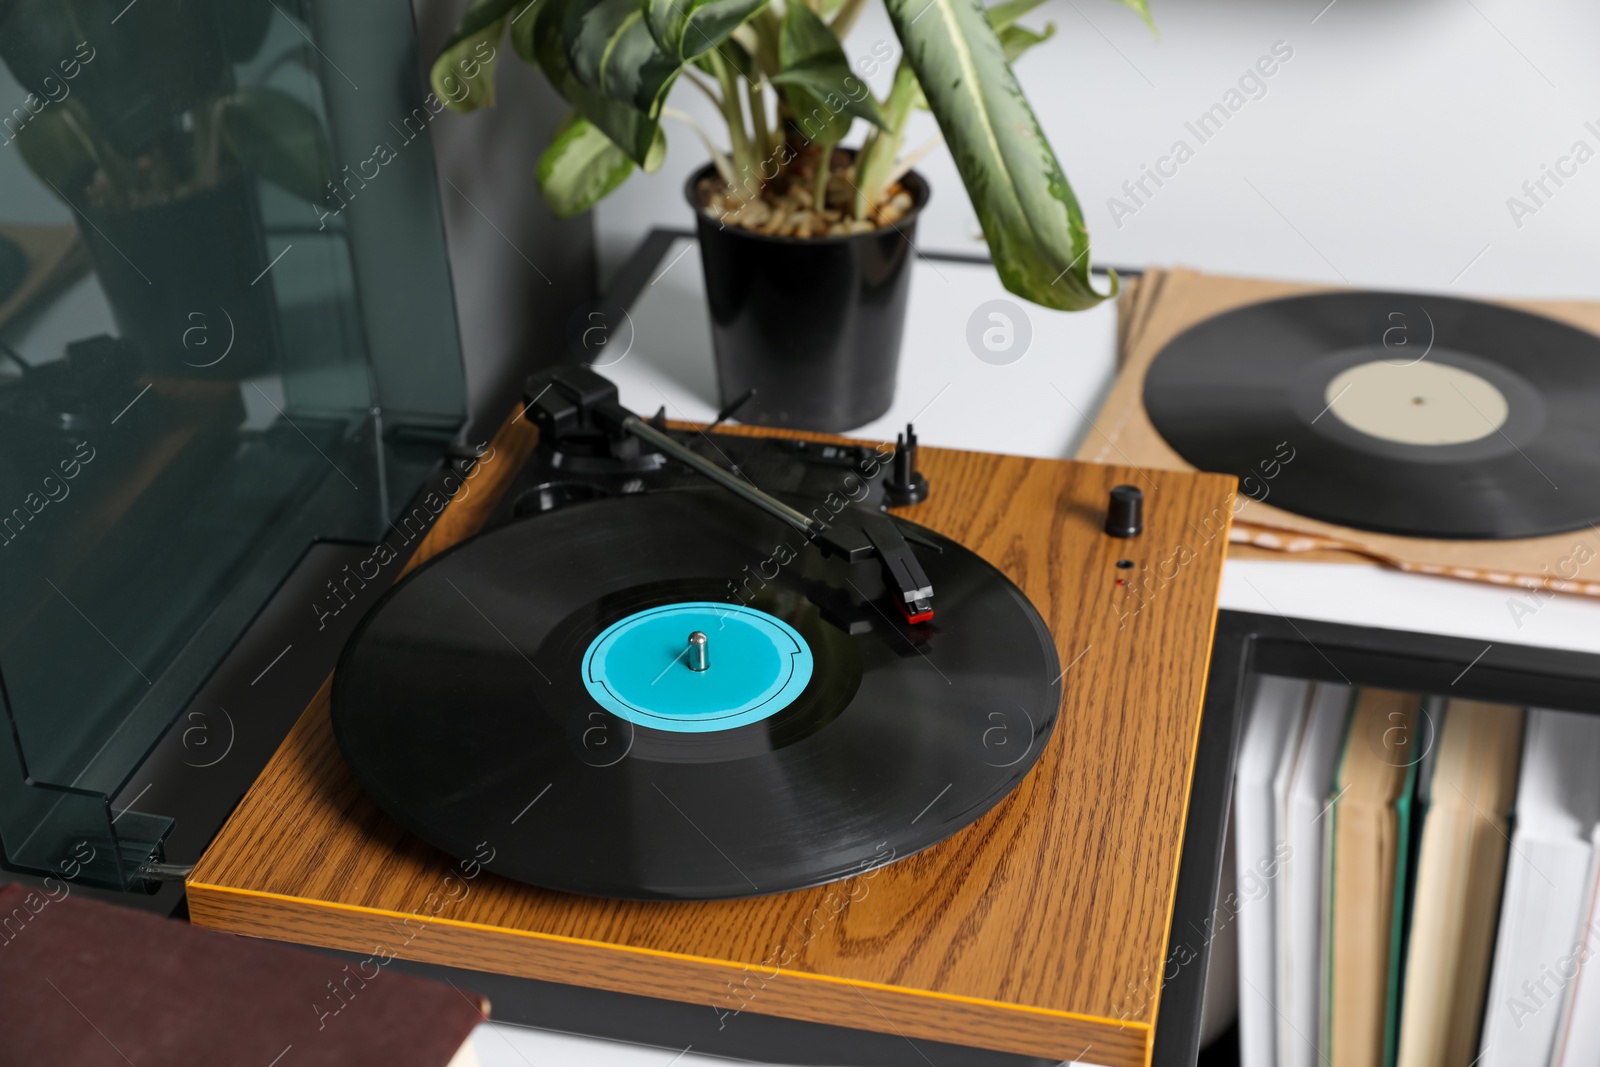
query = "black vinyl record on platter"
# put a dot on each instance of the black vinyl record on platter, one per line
(530, 691)
(1422, 416)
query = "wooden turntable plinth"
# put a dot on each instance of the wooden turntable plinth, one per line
(1041, 929)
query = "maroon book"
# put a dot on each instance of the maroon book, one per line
(92, 984)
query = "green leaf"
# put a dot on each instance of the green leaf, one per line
(463, 75)
(657, 153)
(1018, 39)
(823, 93)
(279, 138)
(1007, 12)
(539, 40)
(610, 50)
(580, 167)
(57, 148)
(1028, 212)
(736, 55)
(524, 34)
(689, 28)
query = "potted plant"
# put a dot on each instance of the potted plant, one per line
(804, 245)
(143, 131)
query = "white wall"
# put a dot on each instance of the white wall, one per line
(1382, 153)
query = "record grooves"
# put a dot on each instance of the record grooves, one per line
(463, 705)
(1421, 416)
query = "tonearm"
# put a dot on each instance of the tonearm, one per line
(573, 403)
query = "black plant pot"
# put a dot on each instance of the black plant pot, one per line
(813, 325)
(185, 282)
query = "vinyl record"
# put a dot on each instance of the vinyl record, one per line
(1423, 416)
(530, 695)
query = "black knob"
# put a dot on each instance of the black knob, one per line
(905, 484)
(1125, 514)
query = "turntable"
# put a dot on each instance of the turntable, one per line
(922, 778)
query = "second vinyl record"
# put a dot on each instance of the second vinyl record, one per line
(529, 695)
(1422, 416)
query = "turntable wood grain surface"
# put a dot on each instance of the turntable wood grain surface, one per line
(1041, 929)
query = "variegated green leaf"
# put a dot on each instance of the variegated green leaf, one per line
(734, 54)
(1018, 39)
(580, 167)
(539, 39)
(688, 28)
(1013, 38)
(524, 35)
(463, 74)
(1008, 12)
(1028, 212)
(610, 49)
(815, 75)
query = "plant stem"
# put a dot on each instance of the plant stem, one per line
(913, 157)
(104, 156)
(767, 27)
(845, 18)
(876, 161)
(757, 99)
(720, 161)
(208, 142)
(743, 157)
(819, 193)
(704, 86)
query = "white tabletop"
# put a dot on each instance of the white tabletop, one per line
(1037, 405)
(507, 1045)
(503, 1045)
